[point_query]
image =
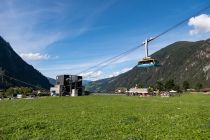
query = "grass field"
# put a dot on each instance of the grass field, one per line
(106, 117)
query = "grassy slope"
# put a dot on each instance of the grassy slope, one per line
(106, 117)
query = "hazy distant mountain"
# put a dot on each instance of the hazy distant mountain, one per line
(51, 80)
(180, 61)
(14, 66)
(86, 82)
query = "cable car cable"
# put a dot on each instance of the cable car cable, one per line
(26, 83)
(116, 59)
(180, 23)
(110, 59)
(152, 39)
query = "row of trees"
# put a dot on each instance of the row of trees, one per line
(11, 92)
(171, 85)
(168, 85)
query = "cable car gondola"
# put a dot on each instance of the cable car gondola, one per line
(148, 61)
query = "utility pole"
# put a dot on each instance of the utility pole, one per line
(146, 47)
(146, 43)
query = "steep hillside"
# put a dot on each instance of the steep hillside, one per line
(180, 61)
(12, 65)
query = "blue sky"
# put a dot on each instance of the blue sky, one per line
(68, 36)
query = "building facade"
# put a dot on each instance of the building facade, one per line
(139, 92)
(68, 85)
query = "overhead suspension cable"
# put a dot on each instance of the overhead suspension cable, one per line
(113, 59)
(117, 57)
(110, 60)
(26, 83)
(180, 23)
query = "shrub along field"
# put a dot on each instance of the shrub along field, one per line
(106, 117)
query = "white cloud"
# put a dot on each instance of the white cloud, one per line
(34, 56)
(28, 27)
(201, 24)
(119, 72)
(24, 25)
(92, 74)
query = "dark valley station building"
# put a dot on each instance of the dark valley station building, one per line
(67, 85)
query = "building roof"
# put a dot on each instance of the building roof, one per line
(205, 90)
(173, 91)
(138, 90)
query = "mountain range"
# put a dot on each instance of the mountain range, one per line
(14, 67)
(180, 61)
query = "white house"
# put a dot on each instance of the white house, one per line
(55, 91)
(19, 96)
(139, 92)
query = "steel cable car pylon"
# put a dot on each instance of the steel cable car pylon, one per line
(148, 61)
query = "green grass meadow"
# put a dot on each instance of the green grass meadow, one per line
(106, 117)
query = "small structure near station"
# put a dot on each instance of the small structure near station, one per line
(121, 90)
(139, 92)
(19, 96)
(169, 93)
(67, 85)
(205, 90)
